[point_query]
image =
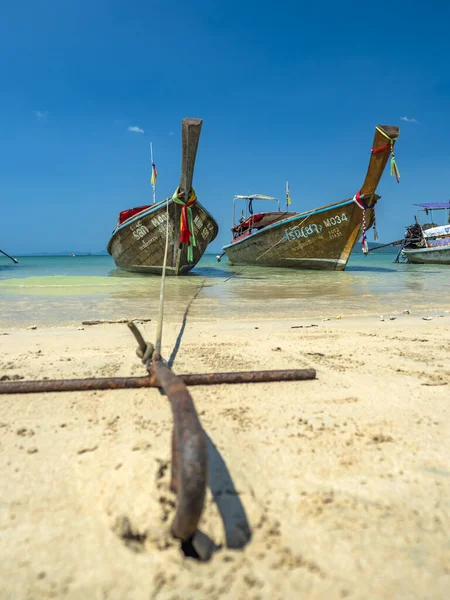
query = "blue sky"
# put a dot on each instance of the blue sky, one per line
(288, 90)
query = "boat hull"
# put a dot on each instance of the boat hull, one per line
(438, 256)
(324, 237)
(321, 239)
(138, 245)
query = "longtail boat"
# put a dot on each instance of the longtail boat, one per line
(322, 238)
(428, 243)
(138, 241)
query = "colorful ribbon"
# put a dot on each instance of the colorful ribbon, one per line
(358, 198)
(394, 168)
(187, 235)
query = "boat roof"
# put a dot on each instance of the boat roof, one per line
(255, 197)
(441, 230)
(435, 205)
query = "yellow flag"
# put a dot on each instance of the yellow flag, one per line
(154, 174)
(288, 194)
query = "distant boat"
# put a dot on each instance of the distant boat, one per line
(428, 244)
(72, 254)
(138, 242)
(322, 238)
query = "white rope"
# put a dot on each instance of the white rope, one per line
(161, 292)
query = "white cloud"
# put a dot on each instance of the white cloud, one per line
(135, 129)
(41, 115)
(408, 120)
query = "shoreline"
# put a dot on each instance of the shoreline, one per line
(404, 316)
(46, 294)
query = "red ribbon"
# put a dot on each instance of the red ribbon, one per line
(381, 149)
(186, 233)
(359, 202)
(394, 167)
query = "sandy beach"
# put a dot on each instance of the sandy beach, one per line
(332, 488)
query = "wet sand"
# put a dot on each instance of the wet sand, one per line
(62, 291)
(333, 488)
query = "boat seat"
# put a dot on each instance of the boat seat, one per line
(250, 222)
(130, 212)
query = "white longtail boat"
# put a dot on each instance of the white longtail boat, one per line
(425, 244)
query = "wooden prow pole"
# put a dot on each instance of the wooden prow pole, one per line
(190, 135)
(378, 160)
(190, 132)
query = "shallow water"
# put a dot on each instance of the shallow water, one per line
(63, 290)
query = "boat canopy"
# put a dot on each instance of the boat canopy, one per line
(249, 199)
(434, 205)
(249, 206)
(442, 230)
(255, 197)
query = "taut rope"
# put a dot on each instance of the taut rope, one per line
(161, 292)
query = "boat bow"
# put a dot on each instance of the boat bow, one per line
(184, 197)
(382, 149)
(365, 198)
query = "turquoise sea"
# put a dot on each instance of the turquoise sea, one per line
(65, 290)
